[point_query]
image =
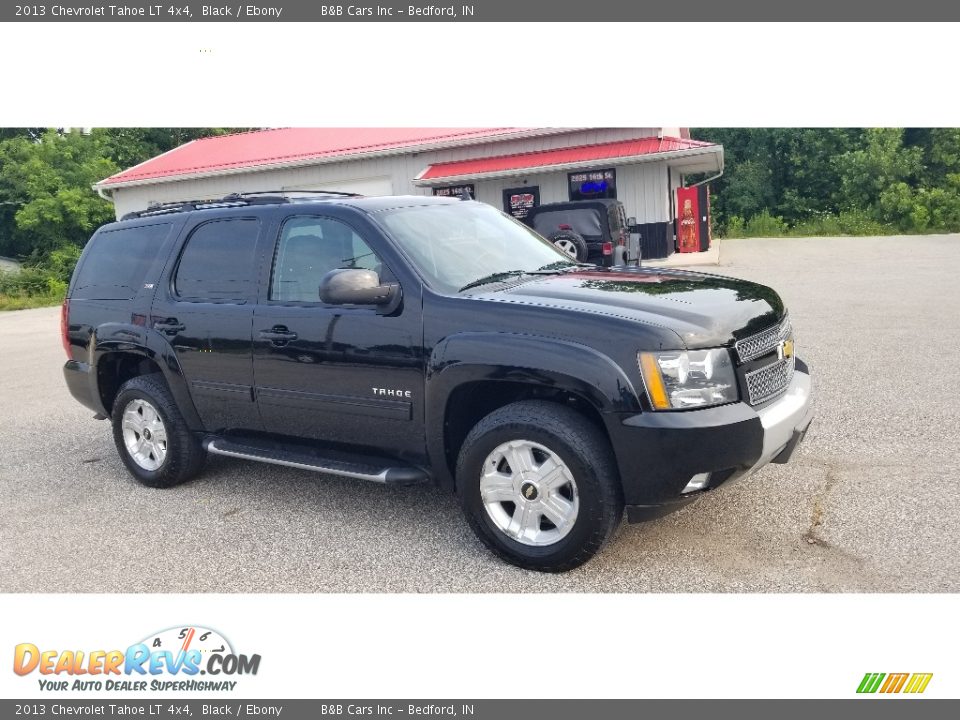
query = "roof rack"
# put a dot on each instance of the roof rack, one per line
(259, 197)
(287, 191)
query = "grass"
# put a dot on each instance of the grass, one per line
(35, 286)
(847, 223)
(25, 302)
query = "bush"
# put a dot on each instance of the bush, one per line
(43, 282)
(735, 227)
(62, 261)
(765, 225)
(860, 222)
(849, 222)
(818, 224)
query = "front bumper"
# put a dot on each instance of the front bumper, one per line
(659, 453)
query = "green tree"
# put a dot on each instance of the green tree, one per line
(837, 180)
(884, 165)
(48, 182)
(130, 146)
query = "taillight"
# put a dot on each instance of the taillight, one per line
(64, 329)
(608, 248)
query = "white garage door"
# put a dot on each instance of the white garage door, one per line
(361, 186)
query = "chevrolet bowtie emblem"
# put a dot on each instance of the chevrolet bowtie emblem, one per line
(785, 350)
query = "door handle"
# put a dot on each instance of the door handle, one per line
(278, 335)
(169, 326)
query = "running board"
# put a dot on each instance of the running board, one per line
(372, 469)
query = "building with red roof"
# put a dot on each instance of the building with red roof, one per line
(642, 167)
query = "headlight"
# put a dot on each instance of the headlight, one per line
(677, 379)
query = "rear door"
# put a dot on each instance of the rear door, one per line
(344, 374)
(206, 310)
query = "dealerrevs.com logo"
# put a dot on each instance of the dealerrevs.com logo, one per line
(172, 659)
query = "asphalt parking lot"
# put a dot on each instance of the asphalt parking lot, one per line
(870, 503)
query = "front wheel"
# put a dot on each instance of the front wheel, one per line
(539, 486)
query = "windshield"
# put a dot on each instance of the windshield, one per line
(457, 245)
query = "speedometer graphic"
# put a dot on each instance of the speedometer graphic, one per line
(184, 639)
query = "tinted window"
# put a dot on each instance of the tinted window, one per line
(117, 262)
(309, 248)
(218, 262)
(585, 221)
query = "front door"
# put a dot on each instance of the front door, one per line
(206, 311)
(340, 374)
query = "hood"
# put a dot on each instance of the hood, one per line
(705, 310)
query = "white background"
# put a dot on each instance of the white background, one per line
(494, 646)
(83, 75)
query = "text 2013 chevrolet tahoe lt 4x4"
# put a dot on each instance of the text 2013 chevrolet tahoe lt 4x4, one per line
(409, 339)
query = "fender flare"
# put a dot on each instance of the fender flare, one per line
(114, 338)
(537, 361)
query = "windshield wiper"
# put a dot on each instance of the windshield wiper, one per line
(492, 278)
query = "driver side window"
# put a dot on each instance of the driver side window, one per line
(308, 249)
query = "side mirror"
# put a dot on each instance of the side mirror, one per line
(350, 286)
(631, 221)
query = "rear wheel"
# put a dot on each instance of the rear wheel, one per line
(151, 435)
(539, 486)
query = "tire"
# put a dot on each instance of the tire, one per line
(176, 458)
(571, 243)
(547, 438)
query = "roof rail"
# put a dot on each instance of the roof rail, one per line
(259, 197)
(287, 191)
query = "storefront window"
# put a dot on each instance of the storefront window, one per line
(520, 201)
(455, 191)
(593, 184)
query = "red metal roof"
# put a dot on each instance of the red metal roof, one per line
(560, 156)
(290, 145)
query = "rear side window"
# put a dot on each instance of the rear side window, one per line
(118, 261)
(218, 262)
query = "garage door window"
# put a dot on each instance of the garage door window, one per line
(218, 263)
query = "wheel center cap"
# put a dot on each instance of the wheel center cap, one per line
(529, 491)
(146, 434)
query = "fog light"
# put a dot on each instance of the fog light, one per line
(697, 482)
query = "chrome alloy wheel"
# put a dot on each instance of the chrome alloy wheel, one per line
(529, 493)
(144, 434)
(566, 246)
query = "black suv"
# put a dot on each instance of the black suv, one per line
(595, 231)
(413, 339)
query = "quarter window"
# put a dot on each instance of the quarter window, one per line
(117, 262)
(218, 262)
(309, 248)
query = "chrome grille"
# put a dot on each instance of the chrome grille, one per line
(763, 342)
(770, 380)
